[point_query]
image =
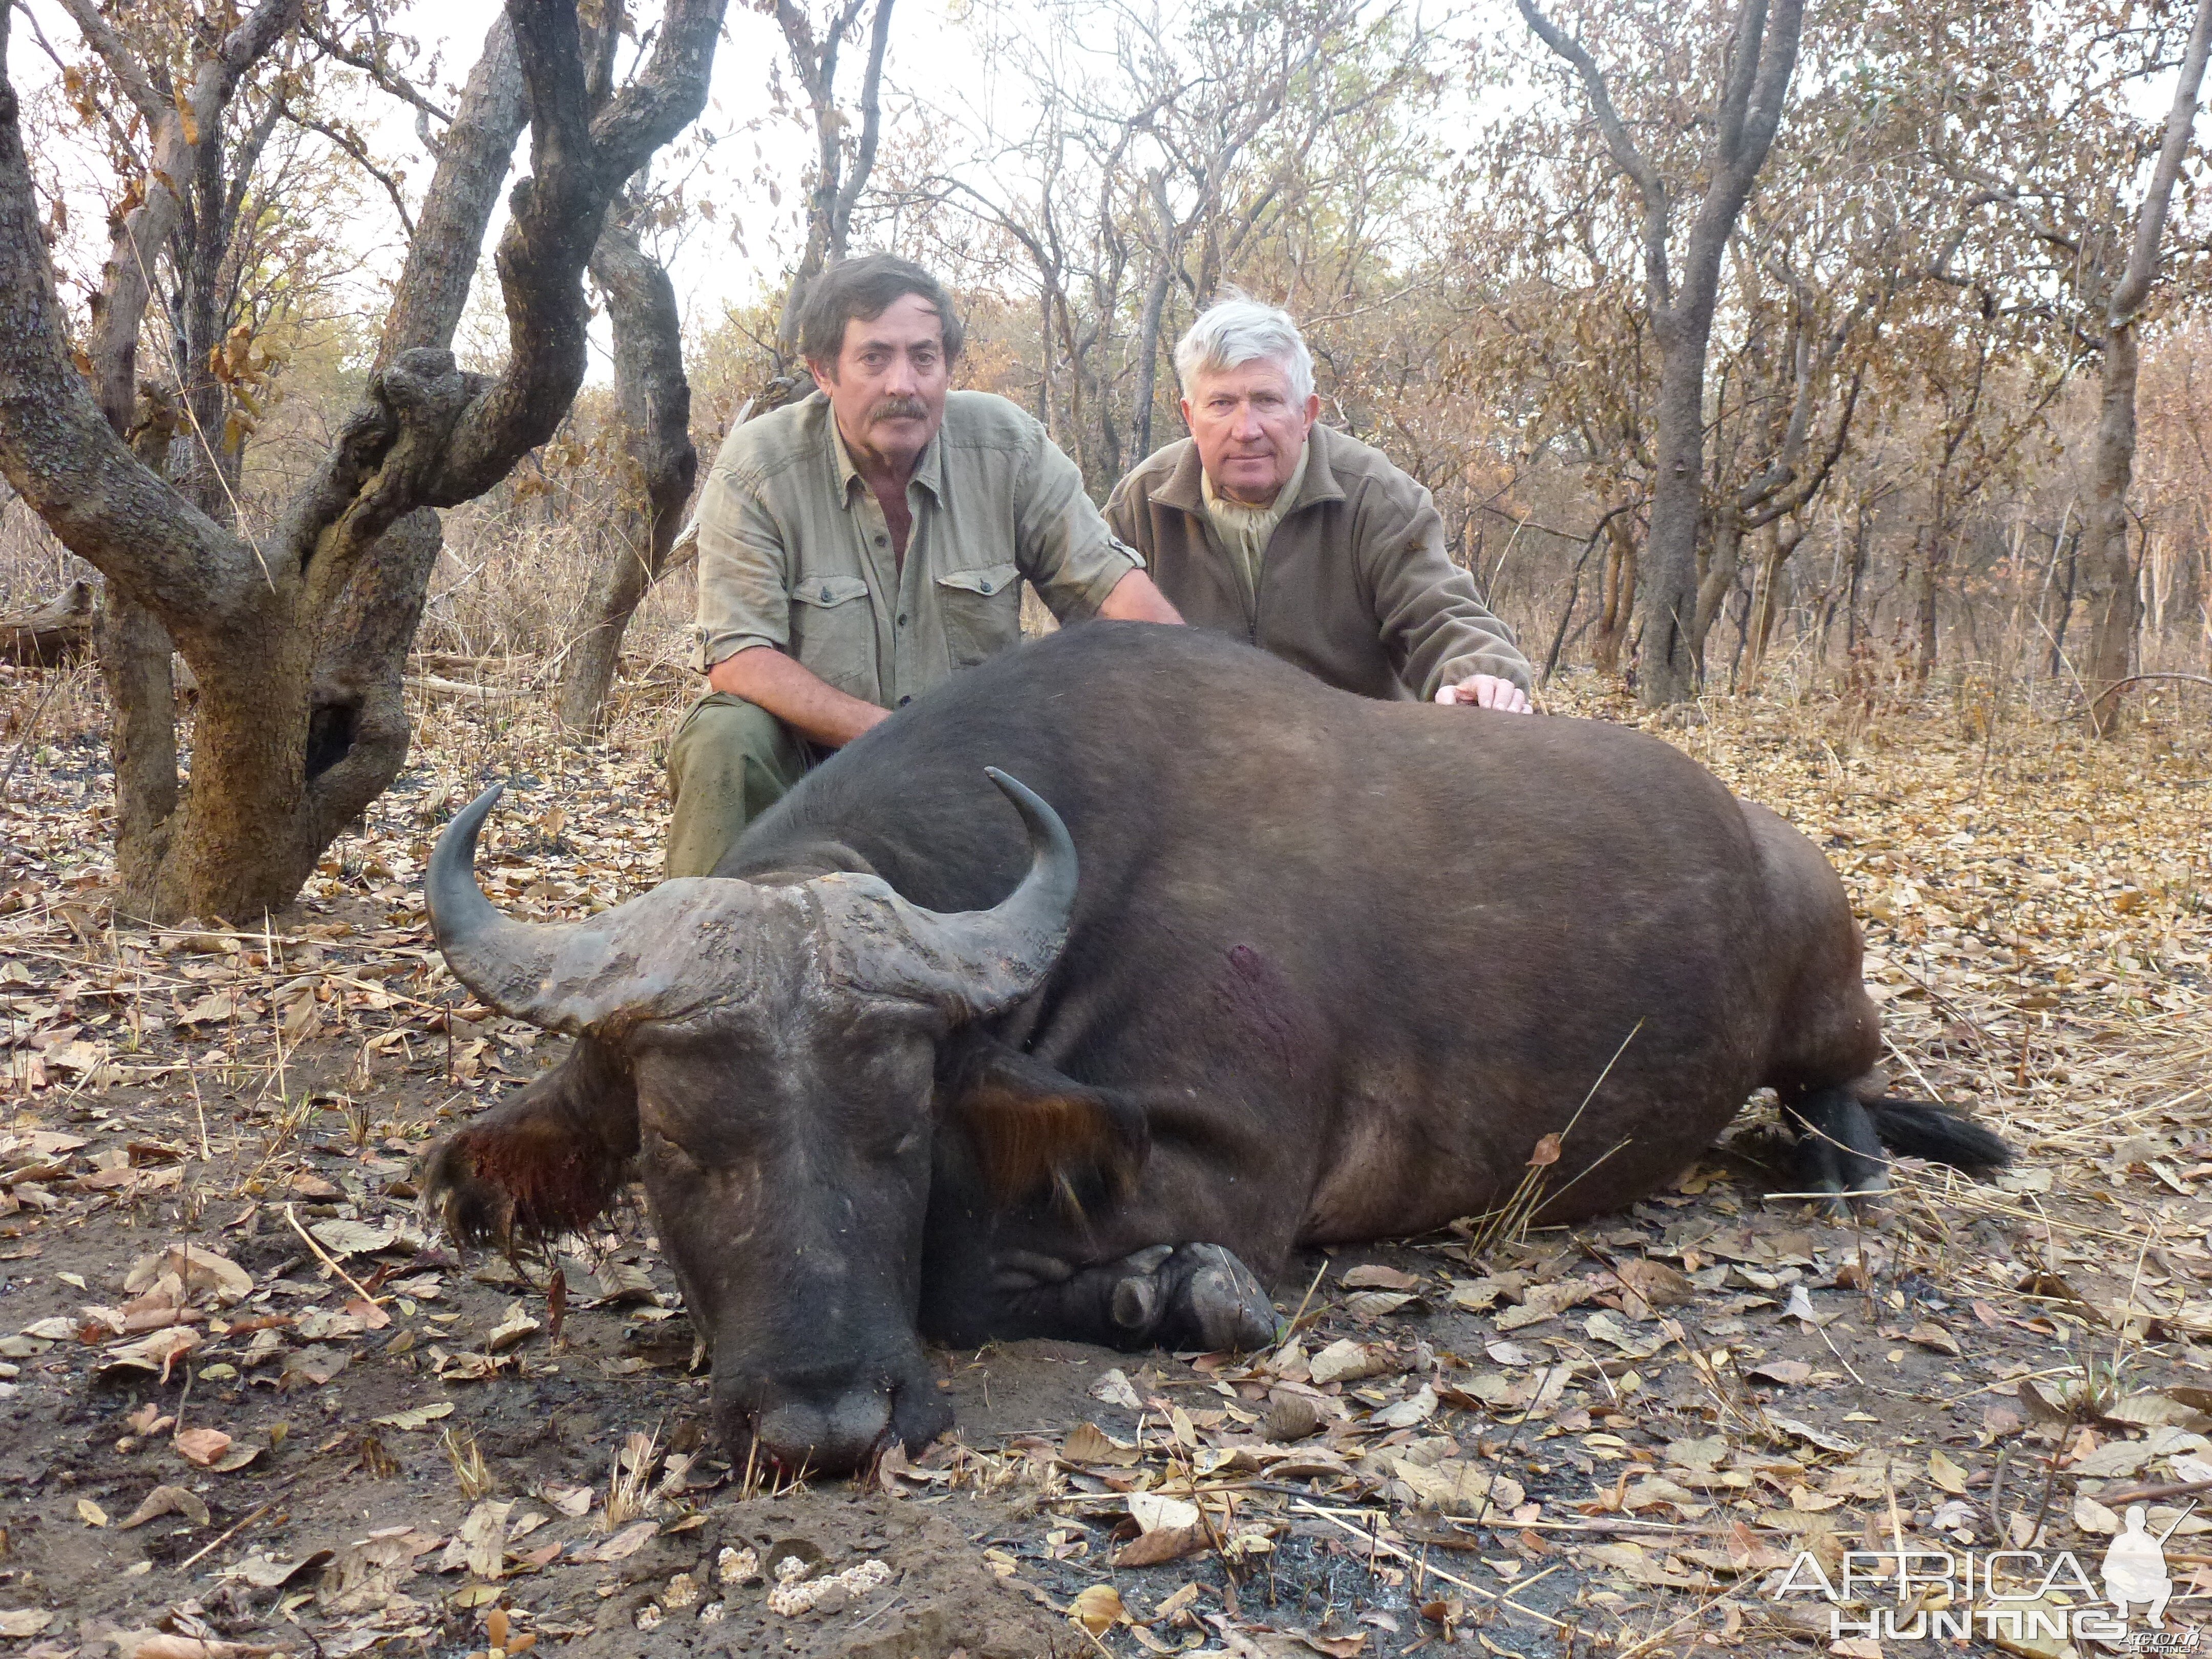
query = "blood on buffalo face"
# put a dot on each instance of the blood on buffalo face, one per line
(782, 1041)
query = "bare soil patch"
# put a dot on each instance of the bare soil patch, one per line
(1607, 1439)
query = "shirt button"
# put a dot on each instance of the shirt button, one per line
(902, 620)
(880, 540)
(902, 702)
(986, 587)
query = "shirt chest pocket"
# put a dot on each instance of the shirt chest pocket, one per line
(983, 611)
(833, 632)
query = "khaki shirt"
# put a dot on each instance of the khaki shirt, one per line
(1355, 585)
(794, 553)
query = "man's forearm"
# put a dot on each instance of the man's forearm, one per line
(1135, 599)
(801, 699)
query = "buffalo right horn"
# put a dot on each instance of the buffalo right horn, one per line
(686, 945)
(968, 961)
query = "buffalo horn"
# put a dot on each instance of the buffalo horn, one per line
(685, 945)
(970, 962)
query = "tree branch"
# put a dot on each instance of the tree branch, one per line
(1651, 188)
(351, 144)
(2133, 286)
(397, 85)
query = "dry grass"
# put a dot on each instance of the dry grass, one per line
(2038, 910)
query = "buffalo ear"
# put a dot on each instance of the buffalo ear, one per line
(1034, 1129)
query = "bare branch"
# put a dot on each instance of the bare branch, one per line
(1651, 188)
(397, 85)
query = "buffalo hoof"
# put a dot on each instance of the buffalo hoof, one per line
(1192, 1296)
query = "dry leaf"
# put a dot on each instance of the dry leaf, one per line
(90, 1513)
(1097, 1608)
(1290, 1417)
(1150, 1549)
(1347, 1361)
(168, 1500)
(626, 1543)
(1379, 1278)
(153, 1354)
(1929, 1334)
(1151, 1512)
(1112, 1388)
(1946, 1473)
(419, 1417)
(22, 1623)
(1088, 1444)
(202, 1446)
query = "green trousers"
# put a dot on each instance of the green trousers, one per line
(730, 762)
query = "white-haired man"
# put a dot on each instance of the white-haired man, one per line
(1307, 543)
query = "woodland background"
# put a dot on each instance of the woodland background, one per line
(1900, 400)
(411, 532)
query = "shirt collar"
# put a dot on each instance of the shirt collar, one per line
(928, 472)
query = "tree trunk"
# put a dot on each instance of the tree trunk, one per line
(1930, 565)
(2115, 599)
(2113, 589)
(1617, 595)
(1667, 667)
(658, 466)
(294, 636)
(1147, 351)
(1722, 564)
(137, 667)
(1774, 553)
(1762, 57)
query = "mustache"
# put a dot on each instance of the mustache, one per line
(900, 408)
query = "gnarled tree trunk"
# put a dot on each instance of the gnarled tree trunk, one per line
(658, 464)
(249, 614)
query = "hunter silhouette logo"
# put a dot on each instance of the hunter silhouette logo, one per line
(2135, 1566)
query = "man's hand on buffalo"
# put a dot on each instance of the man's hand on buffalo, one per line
(1486, 692)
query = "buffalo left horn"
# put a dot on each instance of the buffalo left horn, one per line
(694, 943)
(968, 961)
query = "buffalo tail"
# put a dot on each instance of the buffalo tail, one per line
(1920, 1129)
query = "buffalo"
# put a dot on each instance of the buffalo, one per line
(1251, 963)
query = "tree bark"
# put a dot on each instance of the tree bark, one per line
(2114, 579)
(659, 465)
(1763, 58)
(1775, 549)
(1617, 594)
(249, 613)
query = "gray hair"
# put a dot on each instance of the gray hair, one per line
(1235, 330)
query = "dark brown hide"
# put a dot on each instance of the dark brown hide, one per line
(1332, 969)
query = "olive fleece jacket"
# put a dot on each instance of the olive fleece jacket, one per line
(1355, 586)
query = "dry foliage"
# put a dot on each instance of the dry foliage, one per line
(1611, 1438)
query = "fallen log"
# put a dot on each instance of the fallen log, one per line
(55, 634)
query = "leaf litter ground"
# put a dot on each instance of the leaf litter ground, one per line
(252, 1407)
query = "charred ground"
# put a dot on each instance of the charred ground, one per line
(1560, 1443)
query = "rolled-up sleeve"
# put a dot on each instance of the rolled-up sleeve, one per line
(1433, 622)
(744, 588)
(1064, 547)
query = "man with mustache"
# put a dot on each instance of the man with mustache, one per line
(1302, 540)
(859, 547)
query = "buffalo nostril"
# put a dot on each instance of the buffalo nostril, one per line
(798, 1434)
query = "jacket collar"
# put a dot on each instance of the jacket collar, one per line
(1185, 486)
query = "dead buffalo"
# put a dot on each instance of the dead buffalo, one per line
(1332, 969)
